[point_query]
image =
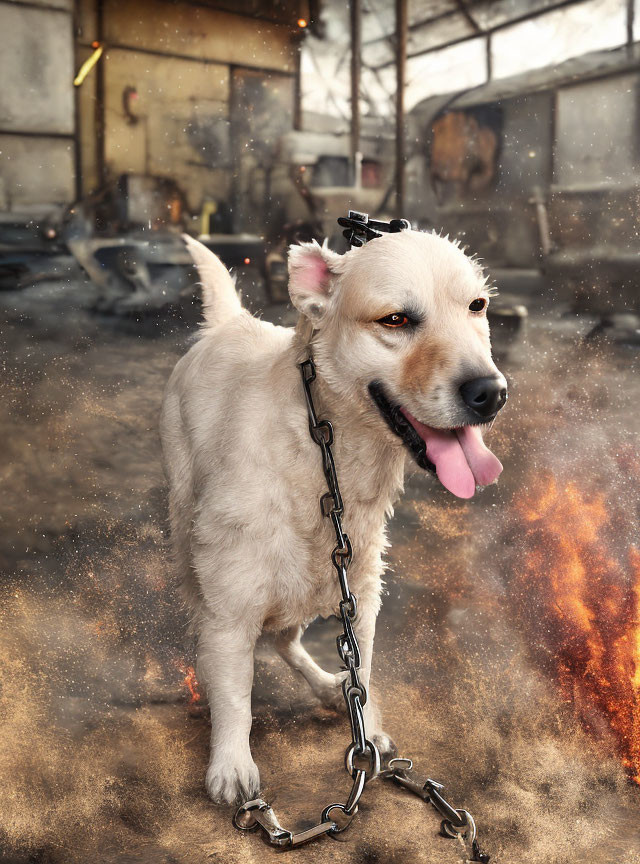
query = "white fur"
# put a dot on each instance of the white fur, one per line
(245, 478)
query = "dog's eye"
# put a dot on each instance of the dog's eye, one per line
(478, 305)
(396, 319)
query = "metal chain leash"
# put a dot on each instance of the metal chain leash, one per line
(362, 758)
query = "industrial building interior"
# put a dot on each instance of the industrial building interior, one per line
(507, 660)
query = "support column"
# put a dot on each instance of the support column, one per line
(356, 44)
(100, 119)
(401, 63)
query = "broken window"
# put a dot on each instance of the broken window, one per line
(464, 152)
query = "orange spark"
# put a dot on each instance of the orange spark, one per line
(191, 684)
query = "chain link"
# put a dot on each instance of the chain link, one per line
(355, 693)
(337, 817)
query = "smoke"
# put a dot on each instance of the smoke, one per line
(100, 755)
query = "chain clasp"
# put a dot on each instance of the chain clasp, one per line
(455, 823)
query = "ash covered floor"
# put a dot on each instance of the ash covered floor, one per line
(504, 655)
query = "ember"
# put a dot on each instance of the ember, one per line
(590, 599)
(191, 683)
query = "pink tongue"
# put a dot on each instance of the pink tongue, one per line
(461, 458)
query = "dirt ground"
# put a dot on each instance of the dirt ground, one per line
(102, 757)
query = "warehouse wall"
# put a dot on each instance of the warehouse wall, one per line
(180, 59)
(182, 129)
(37, 147)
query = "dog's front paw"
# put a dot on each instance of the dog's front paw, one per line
(386, 748)
(373, 725)
(232, 780)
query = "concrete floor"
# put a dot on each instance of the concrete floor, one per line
(102, 758)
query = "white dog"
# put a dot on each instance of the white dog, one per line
(400, 339)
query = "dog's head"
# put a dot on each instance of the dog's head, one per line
(401, 324)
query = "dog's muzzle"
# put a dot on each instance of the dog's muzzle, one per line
(400, 426)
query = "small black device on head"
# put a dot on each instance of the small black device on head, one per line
(359, 228)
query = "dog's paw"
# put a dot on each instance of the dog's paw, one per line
(386, 747)
(331, 695)
(232, 781)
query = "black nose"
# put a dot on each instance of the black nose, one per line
(485, 396)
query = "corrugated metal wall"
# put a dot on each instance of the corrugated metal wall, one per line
(37, 146)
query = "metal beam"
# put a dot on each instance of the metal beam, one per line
(30, 133)
(206, 61)
(99, 107)
(77, 131)
(401, 64)
(529, 16)
(297, 85)
(414, 25)
(39, 6)
(356, 53)
(468, 16)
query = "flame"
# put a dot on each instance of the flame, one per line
(590, 599)
(191, 684)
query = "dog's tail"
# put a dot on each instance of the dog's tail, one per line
(220, 300)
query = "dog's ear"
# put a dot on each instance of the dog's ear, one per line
(312, 275)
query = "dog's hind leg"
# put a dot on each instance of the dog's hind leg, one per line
(327, 687)
(225, 665)
(177, 465)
